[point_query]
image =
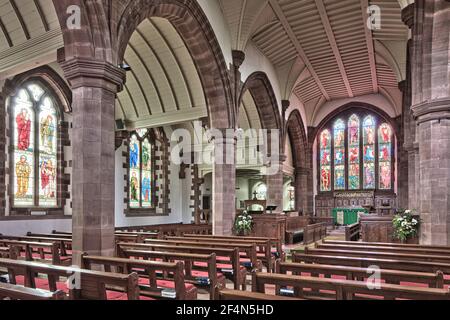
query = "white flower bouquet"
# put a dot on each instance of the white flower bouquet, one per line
(243, 223)
(405, 225)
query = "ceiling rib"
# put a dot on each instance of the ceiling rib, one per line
(333, 44)
(140, 88)
(6, 34)
(370, 47)
(20, 18)
(42, 15)
(179, 65)
(279, 13)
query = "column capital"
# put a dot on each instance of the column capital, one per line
(408, 15)
(432, 110)
(238, 58)
(83, 72)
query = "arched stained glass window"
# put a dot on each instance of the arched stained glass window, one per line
(141, 170)
(385, 156)
(34, 141)
(339, 155)
(354, 143)
(356, 152)
(369, 152)
(325, 161)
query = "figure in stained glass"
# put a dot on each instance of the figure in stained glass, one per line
(353, 177)
(385, 153)
(325, 140)
(325, 157)
(48, 177)
(23, 172)
(369, 153)
(134, 186)
(134, 154)
(339, 178)
(23, 122)
(339, 157)
(325, 179)
(146, 159)
(354, 155)
(47, 131)
(146, 188)
(385, 133)
(385, 176)
(369, 176)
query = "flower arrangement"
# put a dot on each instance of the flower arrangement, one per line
(243, 223)
(405, 225)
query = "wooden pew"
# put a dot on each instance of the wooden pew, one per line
(211, 279)
(148, 269)
(14, 292)
(314, 232)
(31, 249)
(384, 244)
(439, 252)
(263, 247)
(276, 243)
(93, 285)
(235, 295)
(392, 264)
(380, 255)
(353, 232)
(120, 236)
(295, 227)
(249, 249)
(229, 257)
(143, 235)
(176, 229)
(64, 244)
(433, 280)
(345, 289)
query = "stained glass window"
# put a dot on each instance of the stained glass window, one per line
(353, 153)
(356, 153)
(325, 161)
(369, 152)
(339, 155)
(141, 170)
(35, 120)
(384, 154)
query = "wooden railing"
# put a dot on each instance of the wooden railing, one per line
(352, 232)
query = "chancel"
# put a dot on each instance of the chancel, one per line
(224, 150)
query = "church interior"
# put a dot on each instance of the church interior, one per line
(224, 149)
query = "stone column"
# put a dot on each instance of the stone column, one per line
(224, 184)
(402, 153)
(94, 86)
(431, 108)
(3, 96)
(274, 184)
(301, 190)
(410, 144)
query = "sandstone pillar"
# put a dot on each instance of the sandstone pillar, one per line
(94, 86)
(431, 108)
(302, 194)
(224, 184)
(274, 184)
(2, 153)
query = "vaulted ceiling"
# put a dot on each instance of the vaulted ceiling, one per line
(322, 49)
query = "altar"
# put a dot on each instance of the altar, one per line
(347, 216)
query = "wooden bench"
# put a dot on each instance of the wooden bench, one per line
(392, 264)
(15, 292)
(353, 232)
(92, 285)
(433, 280)
(314, 232)
(380, 255)
(443, 252)
(176, 229)
(150, 285)
(210, 278)
(263, 247)
(228, 261)
(65, 245)
(386, 244)
(247, 249)
(295, 227)
(344, 289)
(33, 251)
(277, 246)
(235, 295)
(120, 236)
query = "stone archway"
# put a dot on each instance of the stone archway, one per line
(302, 157)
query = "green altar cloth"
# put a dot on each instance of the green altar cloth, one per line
(347, 216)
